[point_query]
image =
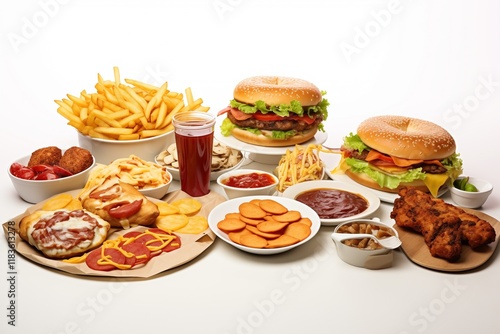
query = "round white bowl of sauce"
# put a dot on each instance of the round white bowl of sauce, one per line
(334, 201)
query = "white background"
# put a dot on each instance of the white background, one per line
(436, 60)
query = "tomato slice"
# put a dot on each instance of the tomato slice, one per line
(62, 172)
(46, 175)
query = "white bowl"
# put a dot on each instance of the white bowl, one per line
(218, 213)
(370, 259)
(106, 151)
(35, 191)
(469, 199)
(158, 192)
(234, 192)
(373, 201)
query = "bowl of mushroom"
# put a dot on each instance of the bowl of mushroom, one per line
(224, 159)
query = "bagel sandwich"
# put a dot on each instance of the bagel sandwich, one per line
(274, 111)
(391, 152)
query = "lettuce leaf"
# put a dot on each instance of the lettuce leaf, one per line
(382, 179)
(453, 165)
(353, 142)
(284, 110)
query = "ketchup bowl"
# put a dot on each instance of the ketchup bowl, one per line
(247, 182)
(35, 191)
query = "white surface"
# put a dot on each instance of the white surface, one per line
(218, 213)
(372, 200)
(438, 60)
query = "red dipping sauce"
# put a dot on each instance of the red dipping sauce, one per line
(333, 203)
(251, 180)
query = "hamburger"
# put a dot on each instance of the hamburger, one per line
(274, 111)
(391, 152)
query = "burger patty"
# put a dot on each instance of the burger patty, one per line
(285, 125)
(426, 168)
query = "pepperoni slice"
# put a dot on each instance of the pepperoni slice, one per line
(141, 252)
(174, 244)
(116, 256)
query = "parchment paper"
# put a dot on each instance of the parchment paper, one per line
(191, 245)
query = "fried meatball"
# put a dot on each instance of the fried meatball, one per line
(45, 156)
(76, 159)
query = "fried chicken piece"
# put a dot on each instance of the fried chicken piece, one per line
(76, 159)
(441, 232)
(476, 232)
(437, 221)
(45, 156)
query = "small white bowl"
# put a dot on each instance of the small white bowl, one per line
(234, 192)
(106, 151)
(158, 192)
(35, 191)
(365, 258)
(469, 199)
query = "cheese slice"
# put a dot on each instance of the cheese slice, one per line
(434, 182)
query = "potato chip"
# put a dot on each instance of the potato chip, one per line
(265, 235)
(187, 206)
(271, 226)
(172, 222)
(57, 202)
(195, 225)
(290, 216)
(251, 210)
(298, 231)
(282, 241)
(75, 204)
(235, 236)
(167, 208)
(272, 207)
(253, 240)
(231, 225)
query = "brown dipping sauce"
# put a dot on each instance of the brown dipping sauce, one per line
(333, 203)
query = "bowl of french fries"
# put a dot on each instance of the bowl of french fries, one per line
(105, 151)
(365, 252)
(126, 117)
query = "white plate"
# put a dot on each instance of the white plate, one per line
(218, 213)
(371, 198)
(230, 141)
(331, 161)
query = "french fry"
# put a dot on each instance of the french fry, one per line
(126, 111)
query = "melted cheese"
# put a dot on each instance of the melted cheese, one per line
(99, 233)
(434, 182)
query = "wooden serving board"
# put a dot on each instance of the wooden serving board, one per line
(417, 251)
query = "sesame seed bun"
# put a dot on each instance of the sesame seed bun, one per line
(406, 137)
(275, 90)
